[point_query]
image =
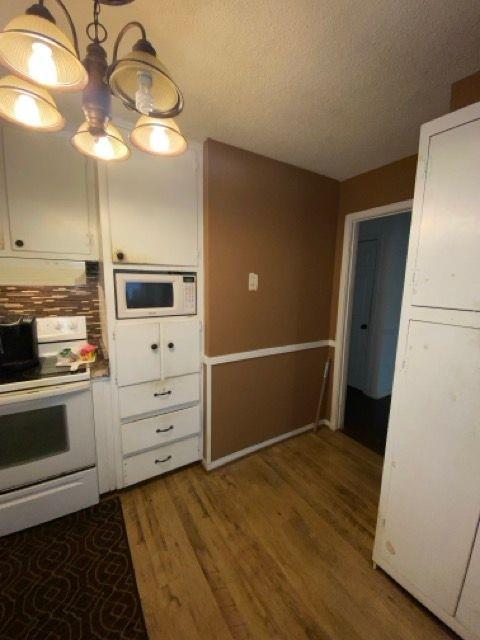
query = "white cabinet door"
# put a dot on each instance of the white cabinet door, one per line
(153, 209)
(468, 612)
(138, 353)
(431, 515)
(448, 256)
(180, 347)
(48, 197)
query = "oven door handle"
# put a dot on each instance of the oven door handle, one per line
(16, 397)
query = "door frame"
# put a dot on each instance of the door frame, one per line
(345, 301)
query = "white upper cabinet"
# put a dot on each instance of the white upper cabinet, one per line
(153, 205)
(448, 255)
(49, 208)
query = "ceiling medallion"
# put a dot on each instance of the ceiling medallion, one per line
(42, 58)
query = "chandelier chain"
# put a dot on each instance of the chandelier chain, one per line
(96, 26)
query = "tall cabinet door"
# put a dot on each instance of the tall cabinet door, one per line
(180, 347)
(468, 612)
(138, 353)
(430, 499)
(448, 256)
(153, 205)
(434, 493)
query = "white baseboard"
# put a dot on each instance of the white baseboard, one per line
(209, 466)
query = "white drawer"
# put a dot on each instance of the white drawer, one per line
(158, 461)
(153, 432)
(158, 396)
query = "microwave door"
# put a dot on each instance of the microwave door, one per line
(148, 295)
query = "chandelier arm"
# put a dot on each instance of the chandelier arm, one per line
(70, 23)
(123, 31)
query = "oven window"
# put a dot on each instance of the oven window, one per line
(148, 295)
(32, 435)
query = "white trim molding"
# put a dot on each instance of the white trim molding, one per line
(345, 299)
(270, 351)
(219, 462)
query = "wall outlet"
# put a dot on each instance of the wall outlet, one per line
(253, 281)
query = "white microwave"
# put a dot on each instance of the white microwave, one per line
(145, 294)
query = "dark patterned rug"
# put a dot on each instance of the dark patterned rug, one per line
(71, 579)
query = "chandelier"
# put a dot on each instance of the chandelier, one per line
(43, 59)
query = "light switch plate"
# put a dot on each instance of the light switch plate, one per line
(253, 281)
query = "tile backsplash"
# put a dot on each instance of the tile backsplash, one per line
(78, 300)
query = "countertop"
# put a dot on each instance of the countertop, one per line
(100, 368)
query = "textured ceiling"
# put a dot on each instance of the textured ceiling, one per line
(335, 86)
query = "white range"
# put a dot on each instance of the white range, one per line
(47, 452)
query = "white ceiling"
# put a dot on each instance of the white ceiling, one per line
(335, 86)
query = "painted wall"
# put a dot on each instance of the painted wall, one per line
(392, 234)
(279, 221)
(276, 220)
(465, 92)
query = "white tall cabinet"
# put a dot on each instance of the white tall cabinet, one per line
(427, 533)
(151, 220)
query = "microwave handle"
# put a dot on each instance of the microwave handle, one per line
(17, 397)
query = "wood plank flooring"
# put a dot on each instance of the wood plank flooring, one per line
(274, 546)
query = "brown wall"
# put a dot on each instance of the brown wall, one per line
(255, 400)
(280, 222)
(465, 92)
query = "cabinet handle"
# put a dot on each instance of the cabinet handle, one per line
(162, 393)
(120, 255)
(163, 460)
(165, 430)
(170, 345)
(154, 347)
(19, 243)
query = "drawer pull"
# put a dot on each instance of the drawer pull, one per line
(163, 460)
(162, 393)
(165, 430)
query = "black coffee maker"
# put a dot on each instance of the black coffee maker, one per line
(18, 346)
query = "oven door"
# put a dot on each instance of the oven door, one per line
(45, 433)
(144, 295)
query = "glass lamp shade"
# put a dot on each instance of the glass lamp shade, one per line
(110, 148)
(28, 105)
(158, 137)
(37, 50)
(124, 79)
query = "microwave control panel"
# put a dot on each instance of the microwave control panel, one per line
(189, 294)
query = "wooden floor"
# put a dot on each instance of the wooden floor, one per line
(276, 545)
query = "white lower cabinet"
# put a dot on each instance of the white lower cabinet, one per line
(158, 396)
(166, 458)
(159, 430)
(468, 612)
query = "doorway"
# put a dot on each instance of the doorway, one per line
(373, 274)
